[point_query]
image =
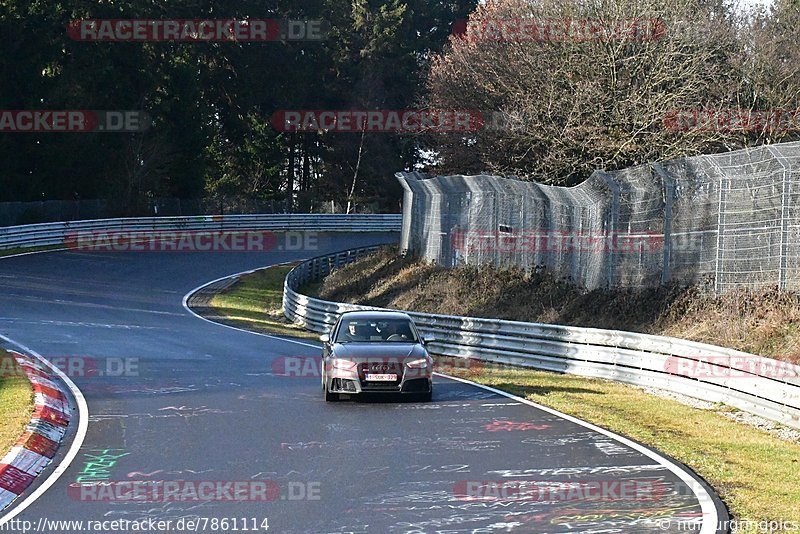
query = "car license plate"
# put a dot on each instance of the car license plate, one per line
(374, 377)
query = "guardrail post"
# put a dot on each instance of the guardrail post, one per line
(669, 193)
(786, 193)
(612, 223)
(408, 201)
(718, 263)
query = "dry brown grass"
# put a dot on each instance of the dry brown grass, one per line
(762, 322)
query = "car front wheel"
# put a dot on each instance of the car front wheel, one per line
(331, 397)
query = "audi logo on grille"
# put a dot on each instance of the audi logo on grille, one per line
(378, 367)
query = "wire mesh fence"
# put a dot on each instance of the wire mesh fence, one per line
(721, 220)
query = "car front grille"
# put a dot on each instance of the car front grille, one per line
(395, 368)
(381, 367)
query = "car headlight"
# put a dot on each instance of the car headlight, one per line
(346, 365)
(418, 364)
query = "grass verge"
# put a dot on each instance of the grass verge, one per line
(16, 402)
(255, 301)
(754, 472)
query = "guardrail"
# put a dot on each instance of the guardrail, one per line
(694, 369)
(48, 234)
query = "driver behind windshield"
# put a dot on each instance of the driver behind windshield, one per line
(383, 331)
(351, 334)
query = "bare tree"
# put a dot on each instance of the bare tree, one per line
(771, 64)
(578, 103)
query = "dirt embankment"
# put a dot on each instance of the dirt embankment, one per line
(762, 322)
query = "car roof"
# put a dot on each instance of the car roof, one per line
(376, 315)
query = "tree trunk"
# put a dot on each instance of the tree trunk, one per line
(290, 176)
(355, 174)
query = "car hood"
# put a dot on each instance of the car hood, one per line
(358, 351)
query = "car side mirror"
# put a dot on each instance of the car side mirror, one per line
(426, 340)
(325, 338)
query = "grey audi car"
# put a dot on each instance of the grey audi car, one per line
(375, 352)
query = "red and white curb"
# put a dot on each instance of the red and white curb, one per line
(38, 444)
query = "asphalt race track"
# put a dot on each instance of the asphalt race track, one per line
(203, 402)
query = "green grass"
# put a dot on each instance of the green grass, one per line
(256, 301)
(20, 250)
(16, 405)
(755, 473)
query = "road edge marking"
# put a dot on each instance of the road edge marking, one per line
(18, 254)
(708, 504)
(188, 295)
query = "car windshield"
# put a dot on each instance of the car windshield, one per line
(372, 330)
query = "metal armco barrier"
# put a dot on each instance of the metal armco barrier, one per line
(697, 370)
(49, 234)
